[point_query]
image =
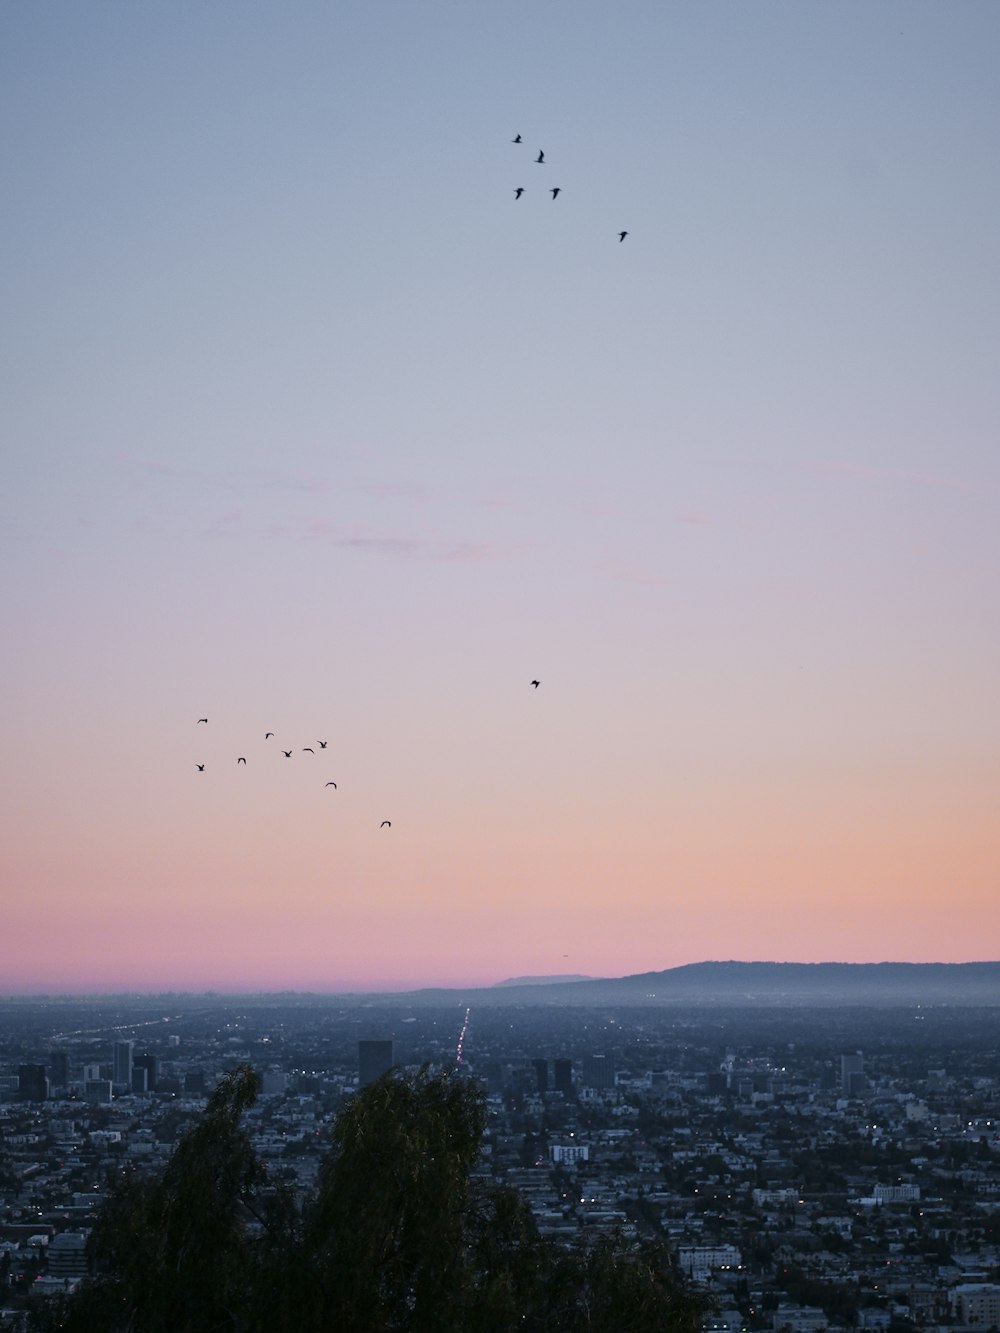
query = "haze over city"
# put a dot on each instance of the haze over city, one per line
(314, 427)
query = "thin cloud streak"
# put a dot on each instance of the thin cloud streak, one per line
(407, 548)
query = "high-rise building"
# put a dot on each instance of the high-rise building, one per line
(852, 1074)
(59, 1069)
(151, 1064)
(121, 1075)
(140, 1081)
(374, 1060)
(32, 1086)
(598, 1071)
(194, 1083)
(541, 1068)
(562, 1070)
(66, 1254)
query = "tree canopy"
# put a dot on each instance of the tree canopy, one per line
(397, 1235)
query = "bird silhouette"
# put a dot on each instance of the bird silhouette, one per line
(331, 784)
(322, 744)
(202, 719)
(386, 823)
(536, 683)
(557, 191)
(621, 236)
(287, 754)
(518, 192)
(516, 139)
(201, 768)
(540, 157)
(268, 735)
(308, 749)
(241, 760)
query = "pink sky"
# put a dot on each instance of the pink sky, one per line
(311, 427)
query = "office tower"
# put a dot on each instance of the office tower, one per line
(32, 1084)
(58, 1069)
(541, 1068)
(598, 1071)
(194, 1083)
(67, 1255)
(852, 1074)
(563, 1076)
(374, 1060)
(151, 1064)
(121, 1075)
(140, 1080)
(97, 1091)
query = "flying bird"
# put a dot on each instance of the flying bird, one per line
(322, 744)
(201, 768)
(308, 749)
(386, 823)
(516, 139)
(518, 192)
(621, 236)
(287, 754)
(557, 191)
(202, 719)
(536, 683)
(241, 760)
(540, 157)
(268, 735)
(331, 784)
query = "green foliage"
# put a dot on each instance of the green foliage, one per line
(396, 1237)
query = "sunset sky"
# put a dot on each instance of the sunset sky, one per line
(309, 426)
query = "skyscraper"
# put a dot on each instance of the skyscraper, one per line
(122, 1066)
(562, 1070)
(852, 1074)
(151, 1064)
(58, 1068)
(598, 1071)
(541, 1068)
(374, 1060)
(32, 1086)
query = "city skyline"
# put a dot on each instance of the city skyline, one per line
(315, 428)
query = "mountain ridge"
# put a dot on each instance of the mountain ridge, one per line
(757, 983)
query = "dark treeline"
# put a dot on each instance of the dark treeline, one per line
(396, 1235)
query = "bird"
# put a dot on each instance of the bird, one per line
(536, 683)
(201, 768)
(621, 236)
(540, 157)
(386, 823)
(322, 744)
(331, 784)
(241, 760)
(287, 754)
(556, 191)
(268, 735)
(516, 139)
(308, 749)
(518, 192)
(201, 719)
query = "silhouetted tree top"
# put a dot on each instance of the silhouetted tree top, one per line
(396, 1236)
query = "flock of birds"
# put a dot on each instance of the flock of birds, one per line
(305, 749)
(554, 191)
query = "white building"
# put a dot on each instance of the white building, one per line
(977, 1303)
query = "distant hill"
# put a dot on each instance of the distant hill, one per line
(738, 983)
(542, 981)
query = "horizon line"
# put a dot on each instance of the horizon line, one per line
(540, 979)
